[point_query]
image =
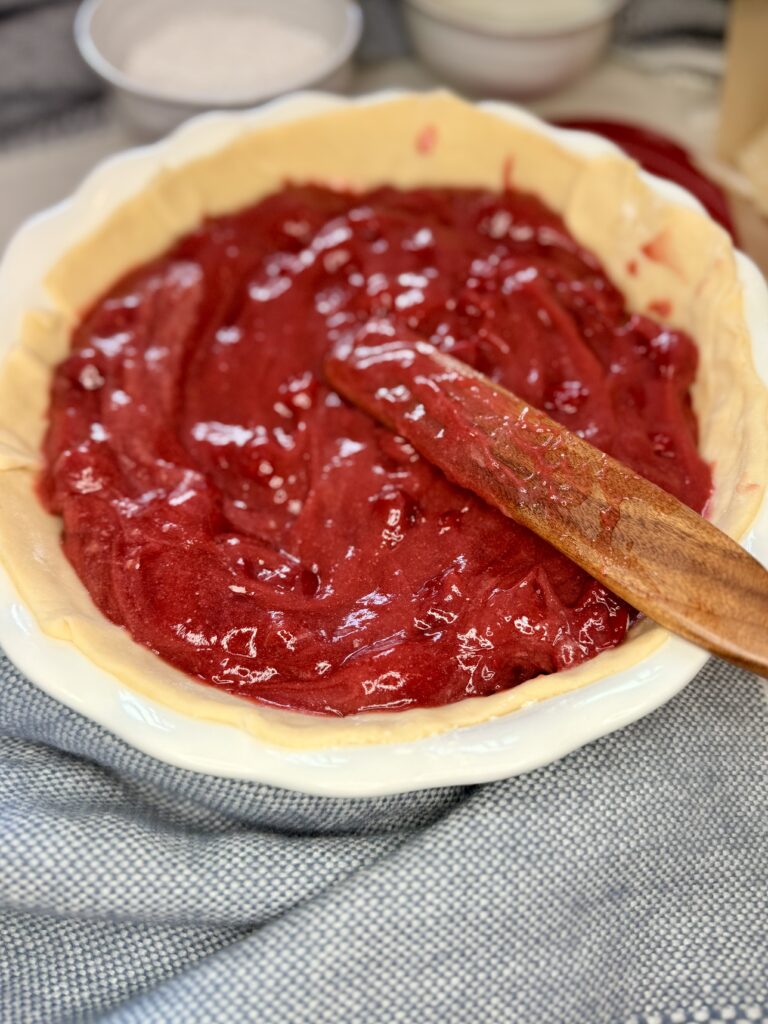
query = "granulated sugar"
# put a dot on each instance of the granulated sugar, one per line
(225, 56)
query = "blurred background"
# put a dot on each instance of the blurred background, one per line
(79, 82)
(46, 86)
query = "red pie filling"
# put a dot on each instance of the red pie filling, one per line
(238, 518)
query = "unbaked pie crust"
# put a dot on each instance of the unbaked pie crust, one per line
(654, 250)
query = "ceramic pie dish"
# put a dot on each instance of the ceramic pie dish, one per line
(133, 206)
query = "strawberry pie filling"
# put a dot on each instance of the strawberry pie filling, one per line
(230, 511)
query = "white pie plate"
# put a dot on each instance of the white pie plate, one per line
(502, 747)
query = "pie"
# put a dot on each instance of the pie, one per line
(187, 501)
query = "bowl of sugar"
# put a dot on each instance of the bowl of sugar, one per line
(510, 47)
(167, 60)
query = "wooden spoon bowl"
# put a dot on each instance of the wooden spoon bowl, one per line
(641, 542)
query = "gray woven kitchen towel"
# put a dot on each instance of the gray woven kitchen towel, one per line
(627, 883)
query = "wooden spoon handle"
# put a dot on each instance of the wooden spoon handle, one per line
(645, 545)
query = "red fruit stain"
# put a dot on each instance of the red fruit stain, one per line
(426, 140)
(507, 170)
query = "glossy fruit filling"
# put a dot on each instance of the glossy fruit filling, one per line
(236, 516)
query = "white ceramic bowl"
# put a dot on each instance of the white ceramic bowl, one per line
(106, 30)
(502, 747)
(487, 58)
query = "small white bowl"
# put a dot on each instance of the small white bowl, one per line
(107, 30)
(505, 57)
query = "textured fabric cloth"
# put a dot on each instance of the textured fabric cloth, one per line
(44, 85)
(626, 884)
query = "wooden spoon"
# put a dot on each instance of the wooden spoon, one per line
(646, 546)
